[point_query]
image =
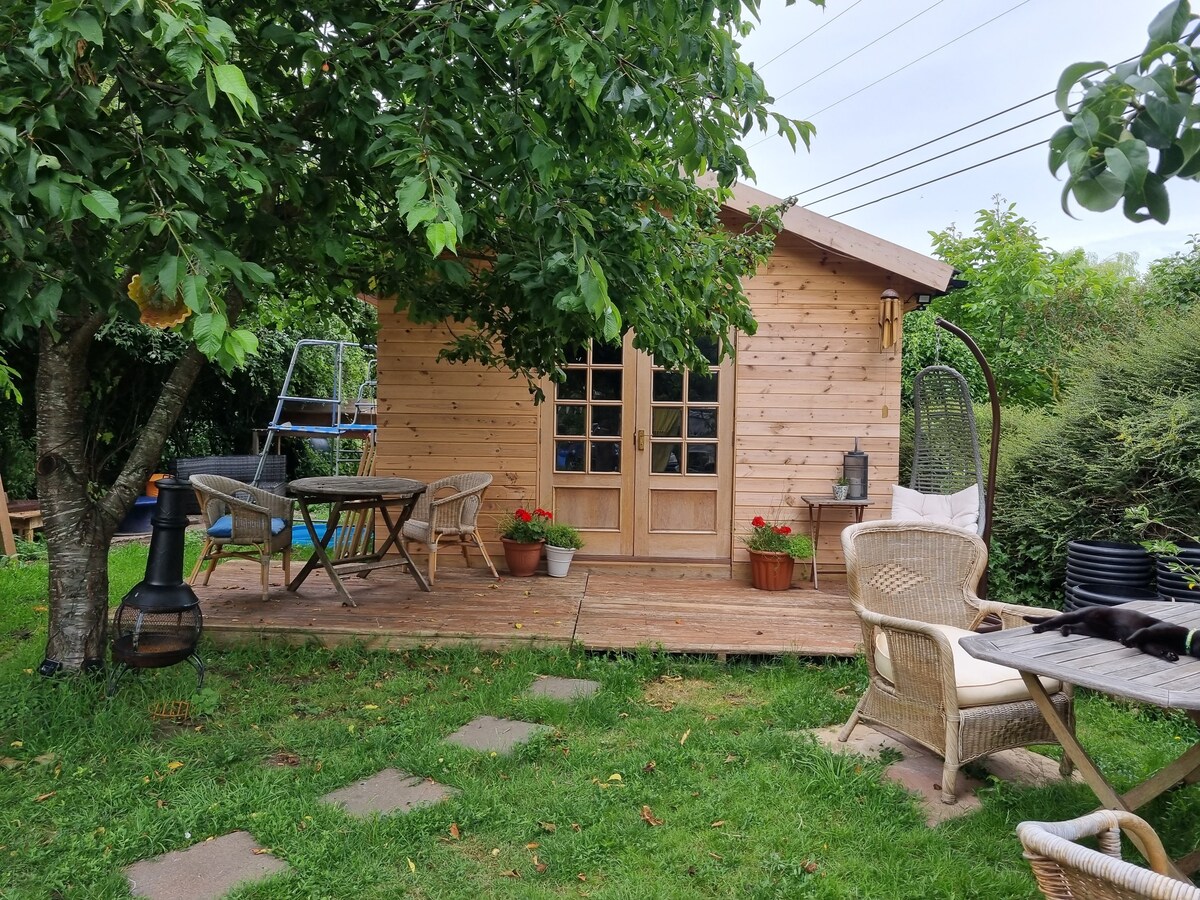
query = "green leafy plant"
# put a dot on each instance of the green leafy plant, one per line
(766, 537)
(525, 526)
(842, 481)
(565, 536)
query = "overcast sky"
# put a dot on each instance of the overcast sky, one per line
(1014, 58)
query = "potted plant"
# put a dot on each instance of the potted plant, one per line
(774, 550)
(561, 543)
(522, 533)
(841, 489)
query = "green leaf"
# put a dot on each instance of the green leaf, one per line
(1099, 193)
(210, 86)
(232, 83)
(1135, 156)
(102, 205)
(1086, 125)
(87, 26)
(171, 269)
(1069, 78)
(1168, 25)
(1158, 204)
(208, 331)
(612, 18)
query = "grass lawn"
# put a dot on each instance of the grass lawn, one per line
(749, 805)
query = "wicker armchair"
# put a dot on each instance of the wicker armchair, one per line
(236, 514)
(1067, 870)
(912, 585)
(439, 514)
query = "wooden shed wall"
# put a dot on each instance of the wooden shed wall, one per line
(436, 419)
(811, 380)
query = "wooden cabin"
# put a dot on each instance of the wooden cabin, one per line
(662, 471)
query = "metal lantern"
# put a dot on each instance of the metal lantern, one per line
(854, 469)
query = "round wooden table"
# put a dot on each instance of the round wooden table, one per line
(353, 492)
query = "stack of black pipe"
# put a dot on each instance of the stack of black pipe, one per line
(1107, 573)
(1179, 576)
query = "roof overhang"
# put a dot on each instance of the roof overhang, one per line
(843, 239)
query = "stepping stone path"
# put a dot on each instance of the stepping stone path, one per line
(488, 734)
(920, 771)
(211, 869)
(388, 791)
(556, 688)
(203, 871)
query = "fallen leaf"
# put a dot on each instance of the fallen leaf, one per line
(575, 826)
(518, 625)
(730, 758)
(648, 817)
(370, 706)
(717, 824)
(412, 866)
(540, 866)
(615, 776)
(683, 740)
(511, 873)
(161, 804)
(532, 845)
(548, 826)
(7, 762)
(715, 855)
(41, 797)
(810, 867)
(39, 609)
(17, 744)
(649, 767)
(581, 877)
(454, 830)
(45, 758)
(174, 764)
(259, 851)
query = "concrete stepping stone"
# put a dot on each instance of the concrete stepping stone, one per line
(388, 791)
(556, 688)
(920, 770)
(204, 871)
(491, 735)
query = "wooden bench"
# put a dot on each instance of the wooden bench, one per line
(22, 517)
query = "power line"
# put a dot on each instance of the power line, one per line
(917, 165)
(924, 144)
(917, 60)
(941, 177)
(859, 50)
(810, 34)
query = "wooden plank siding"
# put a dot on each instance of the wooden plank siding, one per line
(808, 382)
(436, 419)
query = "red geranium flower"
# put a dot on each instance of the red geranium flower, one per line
(758, 521)
(524, 515)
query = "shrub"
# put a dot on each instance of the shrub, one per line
(766, 537)
(564, 536)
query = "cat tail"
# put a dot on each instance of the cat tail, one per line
(1037, 620)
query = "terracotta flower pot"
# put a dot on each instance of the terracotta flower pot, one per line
(771, 571)
(521, 557)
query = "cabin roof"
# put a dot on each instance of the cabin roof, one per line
(844, 239)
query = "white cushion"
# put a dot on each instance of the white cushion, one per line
(980, 683)
(960, 510)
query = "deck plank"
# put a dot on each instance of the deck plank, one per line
(597, 610)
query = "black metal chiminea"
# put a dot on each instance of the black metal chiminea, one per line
(158, 622)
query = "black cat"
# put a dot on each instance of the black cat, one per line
(1126, 626)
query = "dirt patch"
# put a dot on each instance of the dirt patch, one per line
(283, 758)
(669, 691)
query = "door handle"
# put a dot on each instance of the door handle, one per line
(641, 439)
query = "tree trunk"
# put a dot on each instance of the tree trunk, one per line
(80, 514)
(77, 534)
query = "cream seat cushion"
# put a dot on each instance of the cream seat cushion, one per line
(979, 683)
(960, 509)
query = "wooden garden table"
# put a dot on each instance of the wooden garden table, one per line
(1114, 669)
(350, 492)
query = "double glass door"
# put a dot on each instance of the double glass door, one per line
(640, 457)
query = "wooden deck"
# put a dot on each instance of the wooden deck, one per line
(595, 610)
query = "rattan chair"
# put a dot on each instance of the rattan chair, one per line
(236, 514)
(1066, 870)
(913, 586)
(439, 515)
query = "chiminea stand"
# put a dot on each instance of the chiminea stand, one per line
(158, 623)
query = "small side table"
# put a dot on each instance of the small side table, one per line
(815, 506)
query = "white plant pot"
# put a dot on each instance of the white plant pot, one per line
(558, 561)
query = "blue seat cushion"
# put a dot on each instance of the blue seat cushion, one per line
(223, 527)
